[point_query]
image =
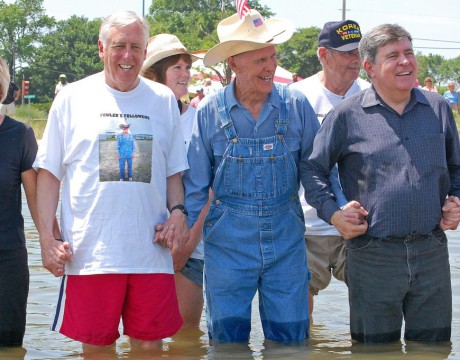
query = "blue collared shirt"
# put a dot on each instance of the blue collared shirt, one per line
(399, 167)
(208, 141)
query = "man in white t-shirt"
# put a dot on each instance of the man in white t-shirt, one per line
(338, 79)
(115, 265)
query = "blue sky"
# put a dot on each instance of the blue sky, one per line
(424, 19)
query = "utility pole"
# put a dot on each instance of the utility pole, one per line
(13, 75)
(344, 9)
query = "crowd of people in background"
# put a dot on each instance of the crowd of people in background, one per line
(257, 187)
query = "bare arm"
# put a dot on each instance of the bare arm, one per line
(29, 181)
(196, 234)
(54, 253)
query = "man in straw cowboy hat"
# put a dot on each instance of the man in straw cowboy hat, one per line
(126, 149)
(247, 144)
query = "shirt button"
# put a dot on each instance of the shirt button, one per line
(217, 202)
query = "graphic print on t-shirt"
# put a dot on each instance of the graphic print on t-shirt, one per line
(125, 154)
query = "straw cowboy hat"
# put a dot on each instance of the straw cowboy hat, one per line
(162, 46)
(252, 32)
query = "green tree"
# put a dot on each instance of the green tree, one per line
(22, 25)
(450, 70)
(428, 65)
(299, 53)
(194, 22)
(70, 49)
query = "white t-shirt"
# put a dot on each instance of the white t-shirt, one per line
(110, 223)
(187, 121)
(322, 101)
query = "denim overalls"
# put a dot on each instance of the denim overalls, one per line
(254, 237)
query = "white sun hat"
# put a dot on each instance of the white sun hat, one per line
(162, 46)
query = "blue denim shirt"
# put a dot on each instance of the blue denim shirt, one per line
(208, 141)
(125, 145)
(399, 167)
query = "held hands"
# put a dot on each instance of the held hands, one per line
(174, 233)
(351, 220)
(181, 258)
(55, 254)
(450, 214)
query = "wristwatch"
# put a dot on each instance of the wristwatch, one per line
(181, 208)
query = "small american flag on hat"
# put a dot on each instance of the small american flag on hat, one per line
(242, 7)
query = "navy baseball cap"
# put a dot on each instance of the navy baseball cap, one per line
(340, 35)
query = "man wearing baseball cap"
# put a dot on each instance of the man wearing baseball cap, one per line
(247, 145)
(61, 83)
(338, 79)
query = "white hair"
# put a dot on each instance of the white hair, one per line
(4, 79)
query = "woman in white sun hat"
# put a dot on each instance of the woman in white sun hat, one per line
(169, 62)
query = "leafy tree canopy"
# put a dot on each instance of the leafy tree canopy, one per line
(22, 25)
(40, 48)
(70, 49)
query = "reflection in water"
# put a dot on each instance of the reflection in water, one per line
(330, 338)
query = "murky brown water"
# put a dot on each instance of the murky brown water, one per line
(330, 338)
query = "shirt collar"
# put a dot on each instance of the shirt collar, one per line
(272, 99)
(372, 98)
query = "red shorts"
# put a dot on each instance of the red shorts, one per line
(90, 307)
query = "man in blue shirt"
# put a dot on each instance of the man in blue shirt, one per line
(126, 147)
(398, 154)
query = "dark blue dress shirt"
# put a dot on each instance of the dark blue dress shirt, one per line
(399, 167)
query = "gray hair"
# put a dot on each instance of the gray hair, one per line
(4, 79)
(380, 36)
(119, 20)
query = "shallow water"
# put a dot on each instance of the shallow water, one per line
(330, 337)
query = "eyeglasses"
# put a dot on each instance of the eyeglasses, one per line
(351, 53)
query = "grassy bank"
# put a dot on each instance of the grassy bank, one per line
(32, 116)
(37, 118)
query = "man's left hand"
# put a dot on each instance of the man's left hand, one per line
(450, 214)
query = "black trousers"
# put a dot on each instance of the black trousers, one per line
(14, 289)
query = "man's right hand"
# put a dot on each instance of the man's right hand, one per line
(351, 220)
(55, 254)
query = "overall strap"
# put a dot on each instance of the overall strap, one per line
(282, 122)
(224, 116)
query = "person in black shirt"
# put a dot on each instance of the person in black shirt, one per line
(8, 107)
